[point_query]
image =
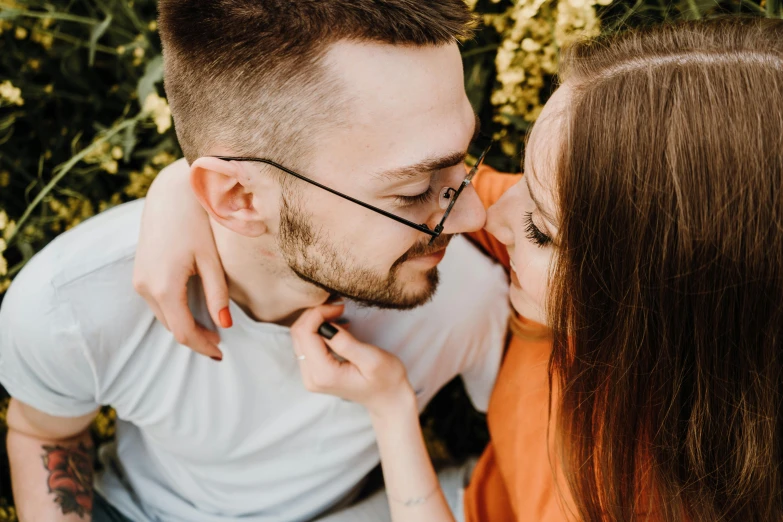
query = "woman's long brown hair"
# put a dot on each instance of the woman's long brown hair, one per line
(667, 303)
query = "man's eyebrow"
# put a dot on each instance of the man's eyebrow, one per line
(423, 167)
(432, 164)
(538, 204)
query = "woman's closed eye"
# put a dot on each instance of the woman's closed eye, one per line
(534, 233)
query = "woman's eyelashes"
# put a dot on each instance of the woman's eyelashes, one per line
(533, 233)
(409, 201)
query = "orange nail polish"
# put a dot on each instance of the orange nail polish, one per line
(225, 318)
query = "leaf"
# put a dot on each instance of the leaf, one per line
(95, 35)
(153, 74)
(128, 142)
(9, 14)
(774, 8)
(7, 122)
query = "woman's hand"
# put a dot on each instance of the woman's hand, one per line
(176, 243)
(335, 363)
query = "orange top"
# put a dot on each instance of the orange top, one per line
(514, 479)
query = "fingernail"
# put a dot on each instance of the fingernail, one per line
(216, 358)
(342, 320)
(327, 330)
(225, 318)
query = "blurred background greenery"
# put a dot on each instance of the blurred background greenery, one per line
(84, 123)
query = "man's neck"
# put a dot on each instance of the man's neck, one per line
(261, 282)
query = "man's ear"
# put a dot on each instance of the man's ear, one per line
(223, 188)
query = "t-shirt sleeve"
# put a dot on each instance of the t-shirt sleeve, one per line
(43, 358)
(490, 186)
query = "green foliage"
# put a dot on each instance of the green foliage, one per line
(77, 138)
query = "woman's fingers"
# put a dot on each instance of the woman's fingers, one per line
(363, 356)
(174, 306)
(213, 279)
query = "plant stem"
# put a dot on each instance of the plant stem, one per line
(64, 17)
(65, 168)
(480, 50)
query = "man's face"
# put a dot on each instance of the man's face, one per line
(409, 125)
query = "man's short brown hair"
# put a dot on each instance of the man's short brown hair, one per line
(247, 73)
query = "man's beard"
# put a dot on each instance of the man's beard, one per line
(315, 260)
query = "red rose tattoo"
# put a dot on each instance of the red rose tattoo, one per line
(70, 477)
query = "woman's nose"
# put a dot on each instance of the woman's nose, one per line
(497, 223)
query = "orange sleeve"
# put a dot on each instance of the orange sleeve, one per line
(490, 185)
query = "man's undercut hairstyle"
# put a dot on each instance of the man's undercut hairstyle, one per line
(248, 75)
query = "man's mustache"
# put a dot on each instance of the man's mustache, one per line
(425, 248)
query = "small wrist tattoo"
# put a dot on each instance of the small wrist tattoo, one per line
(415, 501)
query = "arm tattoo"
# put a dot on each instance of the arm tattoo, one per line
(70, 477)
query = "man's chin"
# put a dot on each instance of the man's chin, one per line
(394, 294)
(407, 298)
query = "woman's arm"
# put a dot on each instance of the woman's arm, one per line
(332, 361)
(176, 243)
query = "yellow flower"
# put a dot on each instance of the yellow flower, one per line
(158, 109)
(110, 166)
(116, 152)
(3, 221)
(3, 266)
(530, 45)
(46, 41)
(163, 158)
(10, 93)
(140, 182)
(9, 229)
(21, 33)
(153, 26)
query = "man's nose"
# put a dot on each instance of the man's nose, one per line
(468, 214)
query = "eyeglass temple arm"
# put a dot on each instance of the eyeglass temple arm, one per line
(421, 228)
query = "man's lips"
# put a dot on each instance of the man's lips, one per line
(435, 253)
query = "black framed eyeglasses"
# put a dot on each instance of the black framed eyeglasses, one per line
(447, 198)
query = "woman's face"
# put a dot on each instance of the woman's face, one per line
(525, 218)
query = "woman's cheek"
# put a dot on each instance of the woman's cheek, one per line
(529, 297)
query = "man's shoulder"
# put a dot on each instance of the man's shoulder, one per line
(97, 244)
(88, 268)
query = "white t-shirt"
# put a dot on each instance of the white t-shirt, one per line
(240, 439)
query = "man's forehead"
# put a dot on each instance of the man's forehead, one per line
(383, 80)
(433, 163)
